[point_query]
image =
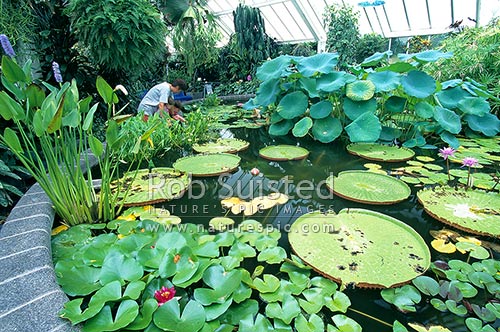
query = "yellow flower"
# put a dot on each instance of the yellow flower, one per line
(150, 141)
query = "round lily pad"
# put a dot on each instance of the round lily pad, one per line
(349, 247)
(368, 187)
(283, 152)
(379, 152)
(149, 187)
(474, 211)
(227, 145)
(211, 164)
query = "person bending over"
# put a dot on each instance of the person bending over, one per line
(156, 99)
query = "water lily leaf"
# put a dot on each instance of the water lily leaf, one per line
(470, 210)
(360, 90)
(467, 290)
(443, 246)
(404, 298)
(488, 124)
(384, 81)
(448, 119)
(145, 315)
(272, 255)
(376, 58)
(398, 327)
(439, 304)
(77, 280)
(326, 130)
(260, 324)
(293, 105)
(418, 84)
(222, 284)
(346, 324)
(268, 284)
(117, 266)
(243, 250)
(314, 324)
(430, 328)
(474, 324)
(104, 321)
(354, 109)
(368, 187)
(366, 128)
(280, 128)
(321, 109)
(207, 164)
(287, 311)
(283, 152)
(475, 250)
(302, 127)
(227, 145)
(480, 279)
(215, 310)
(334, 81)
(474, 105)
(318, 63)
(221, 223)
(424, 110)
(338, 302)
(346, 235)
(458, 310)
(449, 98)
(426, 285)
(168, 316)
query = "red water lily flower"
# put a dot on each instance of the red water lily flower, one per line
(164, 295)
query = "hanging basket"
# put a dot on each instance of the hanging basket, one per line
(360, 247)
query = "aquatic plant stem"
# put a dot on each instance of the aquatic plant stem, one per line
(370, 316)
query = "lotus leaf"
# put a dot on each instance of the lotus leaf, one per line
(474, 105)
(283, 152)
(334, 81)
(266, 94)
(359, 246)
(354, 109)
(280, 128)
(274, 69)
(379, 152)
(384, 81)
(368, 187)
(228, 145)
(395, 104)
(148, 187)
(471, 210)
(326, 130)
(360, 90)
(319, 63)
(321, 109)
(448, 119)
(418, 84)
(376, 58)
(450, 98)
(302, 127)
(366, 128)
(208, 164)
(424, 110)
(488, 124)
(292, 105)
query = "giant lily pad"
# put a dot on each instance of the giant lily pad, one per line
(283, 152)
(360, 90)
(366, 248)
(208, 164)
(228, 145)
(379, 152)
(147, 187)
(368, 187)
(474, 211)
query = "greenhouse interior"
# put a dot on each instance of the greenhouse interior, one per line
(250, 165)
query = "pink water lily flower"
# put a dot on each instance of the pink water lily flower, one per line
(446, 152)
(469, 162)
(255, 171)
(164, 295)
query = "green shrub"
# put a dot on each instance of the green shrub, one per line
(370, 44)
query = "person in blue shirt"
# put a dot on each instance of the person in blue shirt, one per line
(156, 99)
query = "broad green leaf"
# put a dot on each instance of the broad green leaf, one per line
(404, 298)
(134, 289)
(418, 84)
(272, 255)
(286, 311)
(338, 302)
(274, 69)
(321, 109)
(126, 313)
(458, 310)
(268, 284)
(346, 324)
(267, 93)
(9, 108)
(449, 98)
(12, 141)
(376, 58)
(488, 124)
(35, 95)
(280, 128)
(395, 104)
(397, 67)
(360, 90)
(424, 110)
(366, 128)
(301, 128)
(215, 310)
(385, 81)
(240, 311)
(169, 317)
(431, 56)
(105, 91)
(426, 285)
(398, 327)
(260, 324)
(334, 81)
(96, 146)
(12, 71)
(292, 105)
(448, 119)
(117, 266)
(438, 304)
(474, 105)
(354, 109)
(326, 130)
(77, 280)
(72, 119)
(314, 324)
(319, 63)
(89, 118)
(144, 316)
(309, 85)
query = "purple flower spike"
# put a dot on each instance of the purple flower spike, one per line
(469, 162)
(57, 72)
(446, 152)
(249, 77)
(7, 47)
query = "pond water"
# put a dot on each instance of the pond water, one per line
(303, 181)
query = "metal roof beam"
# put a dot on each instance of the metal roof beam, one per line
(305, 20)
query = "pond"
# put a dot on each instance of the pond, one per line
(304, 182)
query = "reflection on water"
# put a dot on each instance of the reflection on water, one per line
(303, 182)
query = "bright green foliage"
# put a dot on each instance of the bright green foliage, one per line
(118, 275)
(342, 32)
(381, 102)
(123, 36)
(369, 44)
(9, 174)
(456, 286)
(476, 57)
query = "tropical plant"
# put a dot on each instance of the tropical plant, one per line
(124, 37)
(10, 181)
(342, 32)
(381, 102)
(193, 31)
(369, 44)
(475, 57)
(183, 278)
